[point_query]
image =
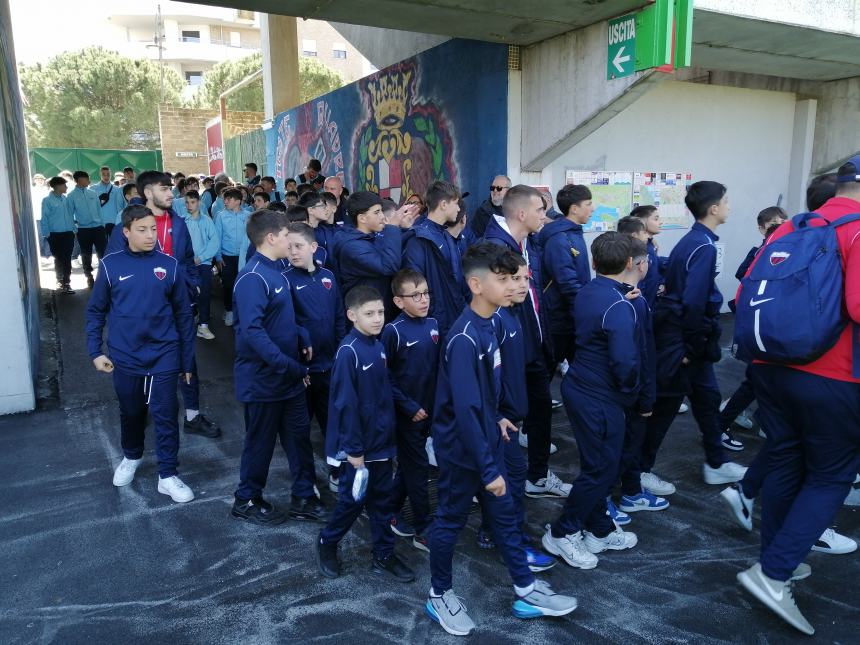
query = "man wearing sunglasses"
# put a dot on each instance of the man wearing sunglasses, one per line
(491, 207)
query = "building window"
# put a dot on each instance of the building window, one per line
(338, 50)
(309, 47)
(194, 78)
(235, 39)
(190, 36)
(244, 14)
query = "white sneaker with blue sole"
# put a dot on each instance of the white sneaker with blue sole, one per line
(543, 601)
(450, 613)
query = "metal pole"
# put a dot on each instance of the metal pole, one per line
(158, 40)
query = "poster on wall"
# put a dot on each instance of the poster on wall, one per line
(398, 130)
(612, 196)
(215, 146)
(666, 190)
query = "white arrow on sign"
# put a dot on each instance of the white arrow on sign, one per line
(619, 59)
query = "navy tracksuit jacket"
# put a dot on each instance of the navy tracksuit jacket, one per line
(654, 278)
(143, 298)
(468, 446)
(566, 269)
(324, 234)
(368, 258)
(432, 252)
(602, 381)
(412, 351)
(268, 378)
(514, 403)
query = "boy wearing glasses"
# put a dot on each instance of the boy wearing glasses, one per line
(432, 251)
(411, 343)
(318, 214)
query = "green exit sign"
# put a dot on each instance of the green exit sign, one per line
(622, 47)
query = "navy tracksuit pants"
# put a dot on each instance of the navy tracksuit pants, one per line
(631, 454)
(204, 300)
(599, 428)
(457, 486)
(704, 394)
(379, 501)
(813, 428)
(158, 393)
(740, 401)
(317, 394)
(538, 421)
(413, 471)
(190, 391)
(516, 467)
(264, 423)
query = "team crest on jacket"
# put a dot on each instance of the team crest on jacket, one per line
(160, 272)
(778, 257)
(434, 335)
(326, 282)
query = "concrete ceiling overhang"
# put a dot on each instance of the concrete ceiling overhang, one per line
(514, 22)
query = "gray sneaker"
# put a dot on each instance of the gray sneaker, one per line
(543, 601)
(776, 595)
(449, 612)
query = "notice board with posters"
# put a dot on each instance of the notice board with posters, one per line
(616, 193)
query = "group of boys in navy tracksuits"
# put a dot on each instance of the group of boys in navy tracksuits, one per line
(467, 355)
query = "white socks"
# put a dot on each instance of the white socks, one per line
(190, 415)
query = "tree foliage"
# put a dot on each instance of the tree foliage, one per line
(315, 78)
(95, 98)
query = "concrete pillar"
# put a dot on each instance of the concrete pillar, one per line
(802, 141)
(280, 43)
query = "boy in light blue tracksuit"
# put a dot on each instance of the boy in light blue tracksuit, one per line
(58, 227)
(230, 225)
(141, 295)
(206, 243)
(84, 206)
(110, 198)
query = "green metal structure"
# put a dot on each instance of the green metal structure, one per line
(50, 161)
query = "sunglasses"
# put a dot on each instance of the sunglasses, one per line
(498, 188)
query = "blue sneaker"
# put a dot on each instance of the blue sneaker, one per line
(644, 501)
(621, 519)
(538, 561)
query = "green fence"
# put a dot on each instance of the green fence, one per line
(50, 161)
(243, 149)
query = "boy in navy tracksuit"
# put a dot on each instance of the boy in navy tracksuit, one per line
(513, 406)
(650, 286)
(319, 309)
(525, 212)
(270, 378)
(433, 252)
(468, 433)
(141, 294)
(566, 268)
(602, 381)
(360, 436)
(411, 343)
(318, 211)
(687, 331)
(635, 497)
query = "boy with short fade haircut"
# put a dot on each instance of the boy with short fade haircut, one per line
(360, 434)
(261, 200)
(565, 265)
(319, 309)
(141, 294)
(513, 406)
(205, 242)
(687, 332)
(411, 344)
(317, 217)
(291, 197)
(269, 185)
(432, 251)
(84, 206)
(650, 217)
(270, 378)
(467, 437)
(603, 380)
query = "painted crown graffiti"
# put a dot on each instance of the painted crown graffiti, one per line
(404, 143)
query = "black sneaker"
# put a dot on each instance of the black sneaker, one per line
(308, 508)
(393, 567)
(257, 511)
(90, 282)
(202, 426)
(327, 559)
(485, 540)
(67, 289)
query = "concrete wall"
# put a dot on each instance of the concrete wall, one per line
(742, 138)
(384, 47)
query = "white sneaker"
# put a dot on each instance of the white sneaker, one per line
(834, 543)
(176, 488)
(684, 408)
(618, 540)
(523, 439)
(563, 367)
(553, 448)
(124, 473)
(203, 331)
(655, 485)
(740, 505)
(569, 548)
(728, 473)
(549, 486)
(431, 454)
(228, 318)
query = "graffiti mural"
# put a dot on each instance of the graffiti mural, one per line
(396, 131)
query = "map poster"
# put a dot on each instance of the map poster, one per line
(612, 195)
(666, 190)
